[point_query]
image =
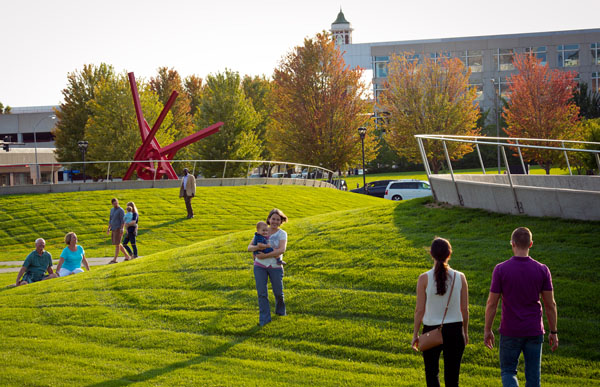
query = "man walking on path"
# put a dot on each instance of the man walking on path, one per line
(35, 265)
(520, 281)
(115, 227)
(187, 191)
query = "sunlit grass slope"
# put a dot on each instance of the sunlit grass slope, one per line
(163, 224)
(187, 316)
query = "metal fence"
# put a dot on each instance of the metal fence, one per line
(269, 168)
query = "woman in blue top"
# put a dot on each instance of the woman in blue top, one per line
(71, 257)
(132, 229)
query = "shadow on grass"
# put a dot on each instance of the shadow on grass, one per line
(153, 373)
(164, 224)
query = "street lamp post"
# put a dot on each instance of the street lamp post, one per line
(83, 145)
(37, 166)
(362, 131)
(497, 120)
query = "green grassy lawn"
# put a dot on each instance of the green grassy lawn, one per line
(352, 181)
(187, 314)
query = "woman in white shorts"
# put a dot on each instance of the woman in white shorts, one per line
(71, 257)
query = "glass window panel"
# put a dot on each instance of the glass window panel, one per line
(568, 55)
(381, 70)
(595, 48)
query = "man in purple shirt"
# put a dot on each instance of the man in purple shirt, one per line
(520, 281)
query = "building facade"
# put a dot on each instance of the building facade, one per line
(32, 128)
(488, 57)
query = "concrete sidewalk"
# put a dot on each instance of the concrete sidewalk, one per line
(91, 261)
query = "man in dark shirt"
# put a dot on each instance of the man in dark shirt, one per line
(520, 281)
(36, 264)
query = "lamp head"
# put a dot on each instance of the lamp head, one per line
(362, 131)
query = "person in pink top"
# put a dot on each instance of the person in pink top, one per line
(520, 281)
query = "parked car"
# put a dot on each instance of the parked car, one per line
(407, 189)
(278, 175)
(374, 188)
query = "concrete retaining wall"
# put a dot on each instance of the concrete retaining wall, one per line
(139, 184)
(570, 197)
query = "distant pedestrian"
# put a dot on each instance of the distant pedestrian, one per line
(36, 264)
(71, 257)
(520, 281)
(132, 229)
(442, 299)
(187, 191)
(115, 228)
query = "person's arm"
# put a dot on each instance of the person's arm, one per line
(50, 270)
(490, 315)
(60, 263)
(552, 316)
(464, 307)
(419, 309)
(276, 252)
(121, 219)
(260, 246)
(85, 262)
(20, 274)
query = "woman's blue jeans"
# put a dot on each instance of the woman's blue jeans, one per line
(510, 349)
(260, 276)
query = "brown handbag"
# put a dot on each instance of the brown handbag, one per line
(434, 338)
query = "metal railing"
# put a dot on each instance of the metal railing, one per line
(501, 143)
(311, 170)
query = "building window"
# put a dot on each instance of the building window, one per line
(595, 53)
(596, 82)
(380, 66)
(39, 137)
(568, 55)
(377, 90)
(12, 137)
(502, 88)
(539, 52)
(478, 89)
(413, 58)
(438, 56)
(473, 59)
(504, 59)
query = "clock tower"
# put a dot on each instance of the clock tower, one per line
(341, 30)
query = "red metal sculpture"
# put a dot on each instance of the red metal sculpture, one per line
(150, 151)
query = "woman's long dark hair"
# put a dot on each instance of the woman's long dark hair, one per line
(440, 251)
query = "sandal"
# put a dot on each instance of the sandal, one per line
(111, 262)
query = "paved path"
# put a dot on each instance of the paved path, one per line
(91, 261)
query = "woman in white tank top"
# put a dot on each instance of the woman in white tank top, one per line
(434, 289)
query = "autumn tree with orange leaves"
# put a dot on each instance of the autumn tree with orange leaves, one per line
(318, 104)
(430, 97)
(541, 106)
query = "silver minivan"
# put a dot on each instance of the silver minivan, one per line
(407, 189)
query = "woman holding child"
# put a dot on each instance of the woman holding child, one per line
(71, 257)
(442, 299)
(131, 220)
(269, 265)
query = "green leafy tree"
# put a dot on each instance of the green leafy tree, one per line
(74, 112)
(428, 98)
(223, 99)
(167, 81)
(318, 103)
(258, 91)
(4, 109)
(112, 129)
(193, 89)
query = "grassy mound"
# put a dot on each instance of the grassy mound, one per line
(187, 316)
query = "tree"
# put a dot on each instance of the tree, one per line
(223, 99)
(112, 129)
(428, 98)
(4, 109)
(541, 106)
(167, 81)
(588, 101)
(318, 103)
(74, 111)
(193, 89)
(258, 91)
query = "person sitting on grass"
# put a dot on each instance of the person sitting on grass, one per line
(262, 236)
(71, 257)
(36, 264)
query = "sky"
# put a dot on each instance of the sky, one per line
(43, 41)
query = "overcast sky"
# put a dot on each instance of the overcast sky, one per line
(42, 41)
